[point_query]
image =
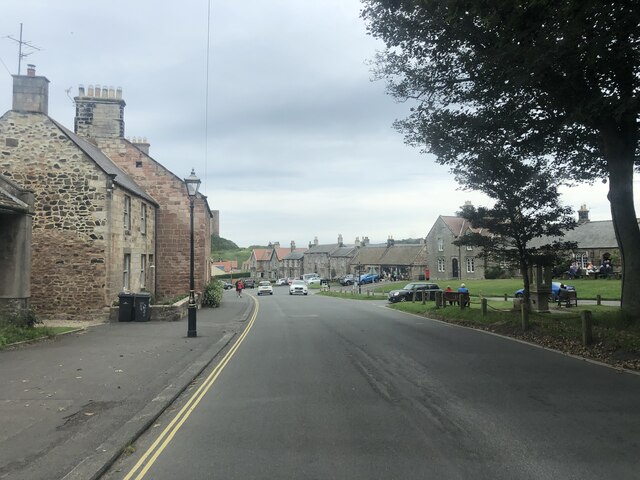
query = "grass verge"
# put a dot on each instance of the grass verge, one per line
(10, 334)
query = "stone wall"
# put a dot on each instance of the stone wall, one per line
(78, 239)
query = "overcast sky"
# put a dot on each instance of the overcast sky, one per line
(297, 142)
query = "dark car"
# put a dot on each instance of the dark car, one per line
(419, 288)
(249, 283)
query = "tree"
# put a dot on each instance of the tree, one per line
(526, 209)
(560, 80)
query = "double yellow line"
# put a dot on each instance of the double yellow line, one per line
(155, 450)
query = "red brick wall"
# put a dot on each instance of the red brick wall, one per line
(173, 228)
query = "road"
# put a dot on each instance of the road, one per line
(330, 388)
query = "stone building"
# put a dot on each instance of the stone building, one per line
(16, 211)
(448, 261)
(100, 119)
(330, 260)
(293, 262)
(93, 232)
(401, 261)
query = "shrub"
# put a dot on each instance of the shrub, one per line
(212, 295)
(20, 319)
(492, 273)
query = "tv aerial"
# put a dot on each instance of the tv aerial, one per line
(25, 48)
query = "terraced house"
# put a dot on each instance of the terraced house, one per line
(93, 232)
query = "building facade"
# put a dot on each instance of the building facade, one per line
(93, 232)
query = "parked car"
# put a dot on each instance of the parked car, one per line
(555, 289)
(298, 287)
(346, 280)
(249, 283)
(227, 285)
(290, 280)
(265, 288)
(369, 278)
(313, 281)
(406, 293)
(281, 281)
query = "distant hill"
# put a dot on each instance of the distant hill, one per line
(218, 243)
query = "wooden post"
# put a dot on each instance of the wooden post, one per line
(525, 316)
(598, 299)
(413, 297)
(484, 307)
(587, 331)
(439, 301)
(424, 297)
(506, 298)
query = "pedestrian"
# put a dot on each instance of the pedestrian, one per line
(239, 287)
(464, 295)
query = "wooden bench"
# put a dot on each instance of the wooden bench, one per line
(456, 298)
(568, 298)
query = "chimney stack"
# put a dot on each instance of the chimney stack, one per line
(583, 214)
(100, 113)
(142, 144)
(293, 246)
(340, 242)
(30, 92)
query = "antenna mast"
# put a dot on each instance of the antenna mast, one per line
(22, 54)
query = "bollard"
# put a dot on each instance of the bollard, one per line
(525, 316)
(587, 331)
(598, 299)
(484, 307)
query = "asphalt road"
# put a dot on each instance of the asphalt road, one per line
(324, 388)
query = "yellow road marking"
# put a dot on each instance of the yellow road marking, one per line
(168, 433)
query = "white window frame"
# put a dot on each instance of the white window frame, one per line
(127, 213)
(441, 245)
(471, 264)
(143, 218)
(126, 269)
(442, 264)
(143, 271)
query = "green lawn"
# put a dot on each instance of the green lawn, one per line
(587, 289)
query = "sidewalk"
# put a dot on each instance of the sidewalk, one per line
(68, 406)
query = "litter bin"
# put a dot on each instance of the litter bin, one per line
(125, 309)
(142, 312)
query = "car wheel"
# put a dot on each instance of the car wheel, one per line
(290, 293)
(271, 293)
(519, 295)
(305, 293)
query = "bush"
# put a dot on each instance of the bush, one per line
(492, 273)
(212, 295)
(20, 319)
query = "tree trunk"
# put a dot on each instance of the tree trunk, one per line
(619, 153)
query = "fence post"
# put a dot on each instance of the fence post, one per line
(506, 299)
(525, 316)
(587, 331)
(484, 306)
(413, 297)
(438, 299)
(598, 299)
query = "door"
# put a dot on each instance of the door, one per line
(454, 268)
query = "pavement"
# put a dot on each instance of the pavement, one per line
(69, 406)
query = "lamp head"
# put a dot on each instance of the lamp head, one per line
(193, 183)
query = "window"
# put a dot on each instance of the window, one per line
(582, 259)
(127, 212)
(143, 271)
(441, 264)
(470, 265)
(440, 245)
(469, 247)
(143, 218)
(126, 268)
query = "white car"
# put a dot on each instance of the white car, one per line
(265, 288)
(282, 281)
(298, 287)
(313, 281)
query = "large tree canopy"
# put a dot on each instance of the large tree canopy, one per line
(533, 78)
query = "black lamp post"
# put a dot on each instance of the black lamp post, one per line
(193, 183)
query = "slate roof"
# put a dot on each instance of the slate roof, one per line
(295, 255)
(105, 163)
(594, 235)
(326, 248)
(282, 252)
(402, 254)
(458, 225)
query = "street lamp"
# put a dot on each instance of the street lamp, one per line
(193, 183)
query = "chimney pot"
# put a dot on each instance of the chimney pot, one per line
(81, 90)
(112, 92)
(31, 70)
(105, 92)
(90, 91)
(119, 93)
(97, 91)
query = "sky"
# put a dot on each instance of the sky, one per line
(292, 139)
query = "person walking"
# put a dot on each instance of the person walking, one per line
(239, 287)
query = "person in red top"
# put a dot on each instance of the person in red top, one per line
(239, 287)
